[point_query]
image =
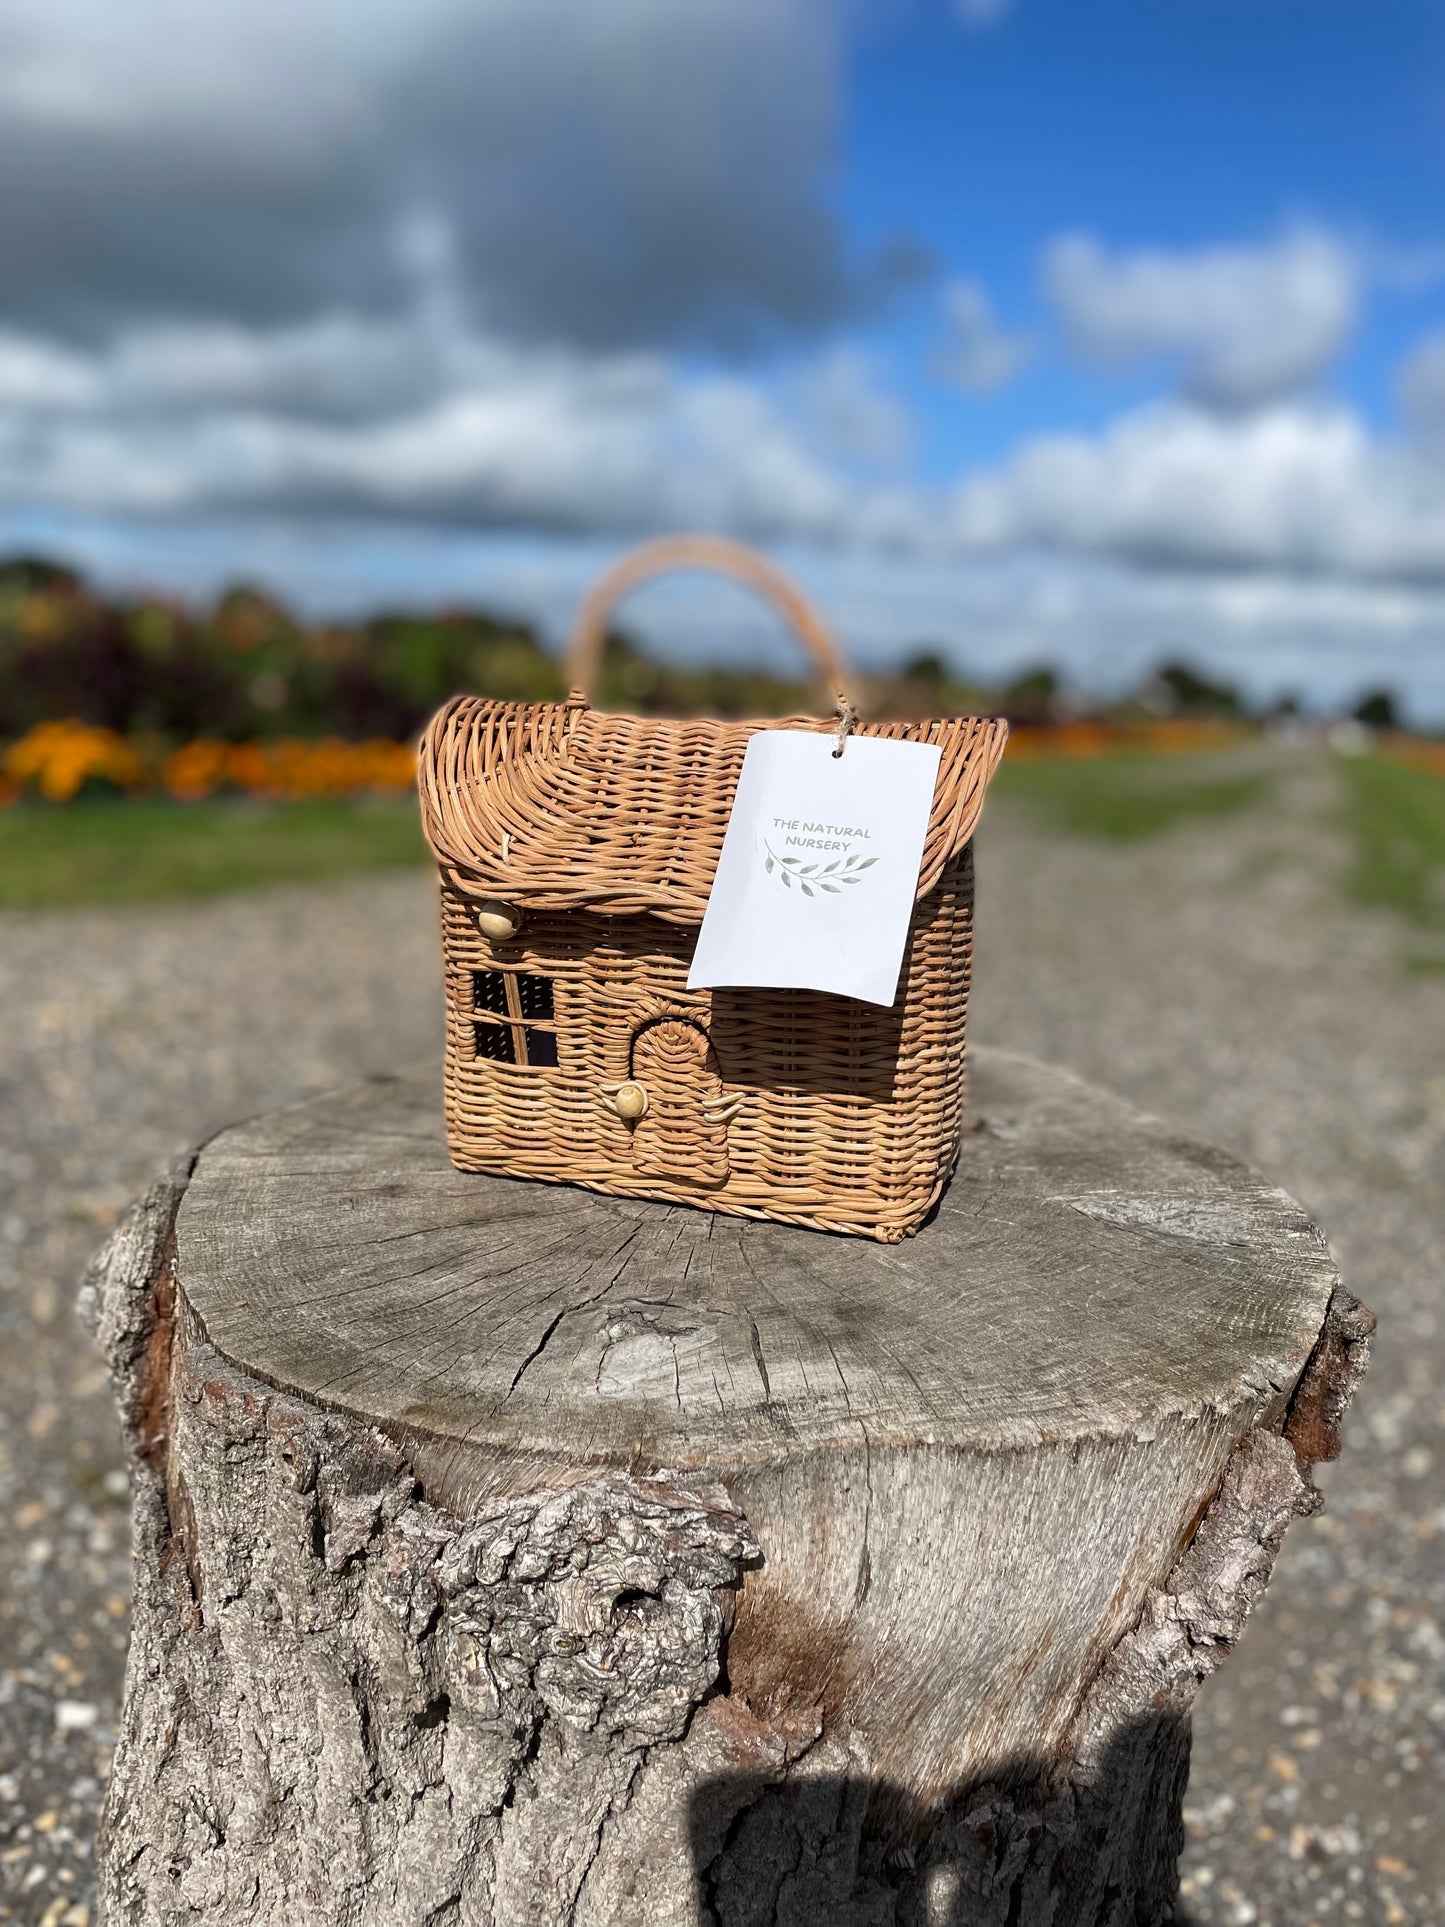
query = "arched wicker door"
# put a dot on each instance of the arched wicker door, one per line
(683, 1136)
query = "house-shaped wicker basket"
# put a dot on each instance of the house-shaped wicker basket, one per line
(577, 850)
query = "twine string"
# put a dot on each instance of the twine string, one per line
(847, 723)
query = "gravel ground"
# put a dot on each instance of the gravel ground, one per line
(128, 1035)
(1215, 975)
(1219, 978)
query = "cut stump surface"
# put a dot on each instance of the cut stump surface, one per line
(509, 1553)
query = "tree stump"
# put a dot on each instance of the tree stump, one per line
(508, 1554)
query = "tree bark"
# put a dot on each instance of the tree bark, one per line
(507, 1554)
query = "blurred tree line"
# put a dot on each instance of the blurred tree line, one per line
(247, 669)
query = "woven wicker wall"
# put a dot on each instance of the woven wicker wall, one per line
(777, 1103)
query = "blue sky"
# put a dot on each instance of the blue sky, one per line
(1177, 124)
(1090, 332)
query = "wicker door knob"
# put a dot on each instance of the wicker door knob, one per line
(629, 1101)
(498, 920)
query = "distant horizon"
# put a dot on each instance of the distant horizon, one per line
(885, 611)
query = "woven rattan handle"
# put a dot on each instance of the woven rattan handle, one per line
(672, 552)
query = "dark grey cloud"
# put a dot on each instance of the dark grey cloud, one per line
(596, 172)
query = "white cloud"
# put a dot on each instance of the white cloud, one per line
(977, 354)
(1421, 388)
(39, 374)
(403, 418)
(1105, 624)
(422, 418)
(1298, 489)
(850, 412)
(1245, 325)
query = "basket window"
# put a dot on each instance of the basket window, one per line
(489, 992)
(534, 994)
(495, 1041)
(541, 1046)
(514, 1017)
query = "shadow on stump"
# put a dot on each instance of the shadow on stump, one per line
(811, 1847)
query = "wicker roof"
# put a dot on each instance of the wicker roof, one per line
(557, 806)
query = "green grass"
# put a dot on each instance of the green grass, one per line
(1124, 798)
(105, 851)
(122, 852)
(1396, 819)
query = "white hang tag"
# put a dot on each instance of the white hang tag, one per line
(819, 868)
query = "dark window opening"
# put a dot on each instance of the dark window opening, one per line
(541, 1046)
(534, 994)
(495, 1041)
(523, 1009)
(489, 992)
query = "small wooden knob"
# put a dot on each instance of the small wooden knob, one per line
(498, 920)
(630, 1102)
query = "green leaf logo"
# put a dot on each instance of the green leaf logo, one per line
(810, 878)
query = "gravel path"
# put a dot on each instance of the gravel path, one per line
(1215, 975)
(130, 1034)
(1219, 978)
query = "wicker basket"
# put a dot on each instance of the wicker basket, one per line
(577, 850)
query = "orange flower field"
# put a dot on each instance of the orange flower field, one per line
(55, 761)
(1171, 736)
(1416, 752)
